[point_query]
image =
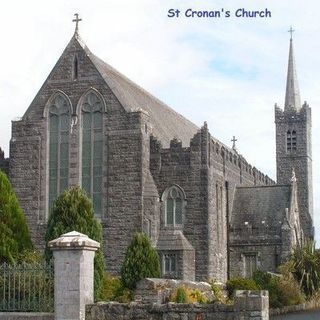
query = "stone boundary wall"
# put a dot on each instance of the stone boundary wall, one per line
(158, 290)
(299, 307)
(248, 306)
(26, 316)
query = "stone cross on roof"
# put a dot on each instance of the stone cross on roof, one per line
(291, 32)
(234, 140)
(76, 20)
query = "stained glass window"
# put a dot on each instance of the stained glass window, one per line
(59, 129)
(92, 149)
(174, 206)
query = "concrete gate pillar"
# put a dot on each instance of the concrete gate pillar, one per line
(73, 256)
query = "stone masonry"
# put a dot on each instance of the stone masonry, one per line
(160, 173)
(249, 305)
(73, 254)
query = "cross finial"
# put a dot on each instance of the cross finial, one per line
(291, 32)
(76, 20)
(234, 140)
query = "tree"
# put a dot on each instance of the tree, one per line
(305, 264)
(15, 238)
(73, 210)
(141, 261)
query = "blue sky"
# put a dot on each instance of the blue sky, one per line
(228, 72)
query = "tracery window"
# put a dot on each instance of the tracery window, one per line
(291, 140)
(174, 200)
(59, 130)
(92, 149)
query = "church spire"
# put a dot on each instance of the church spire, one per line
(292, 100)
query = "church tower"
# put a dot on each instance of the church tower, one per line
(293, 145)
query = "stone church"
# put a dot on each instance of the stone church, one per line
(209, 213)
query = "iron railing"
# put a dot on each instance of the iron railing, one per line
(26, 287)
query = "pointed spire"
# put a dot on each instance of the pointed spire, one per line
(292, 91)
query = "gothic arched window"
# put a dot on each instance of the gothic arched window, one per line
(174, 202)
(92, 149)
(59, 129)
(291, 140)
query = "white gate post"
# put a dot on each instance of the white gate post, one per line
(73, 256)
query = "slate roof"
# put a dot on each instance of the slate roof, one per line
(166, 122)
(257, 204)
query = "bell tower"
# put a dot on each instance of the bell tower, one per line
(293, 145)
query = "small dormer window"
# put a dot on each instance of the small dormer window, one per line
(75, 68)
(291, 140)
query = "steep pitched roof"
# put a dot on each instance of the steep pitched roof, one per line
(167, 123)
(260, 206)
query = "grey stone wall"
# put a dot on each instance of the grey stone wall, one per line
(268, 256)
(201, 170)
(122, 170)
(248, 306)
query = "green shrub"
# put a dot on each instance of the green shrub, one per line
(197, 296)
(283, 291)
(181, 295)
(265, 281)
(73, 211)
(31, 257)
(141, 261)
(14, 234)
(306, 267)
(290, 293)
(217, 292)
(240, 284)
(184, 294)
(126, 296)
(114, 290)
(111, 288)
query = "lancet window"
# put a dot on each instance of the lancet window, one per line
(92, 149)
(59, 131)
